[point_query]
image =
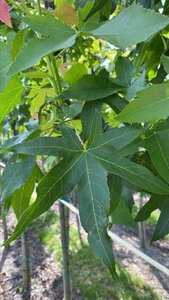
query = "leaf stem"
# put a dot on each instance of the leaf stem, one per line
(51, 73)
(39, 7)
(55, 69)
(20, 7)
(47, 58)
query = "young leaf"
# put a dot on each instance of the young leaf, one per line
(66, 12)
(151, 105)
(37, 102)
(10, 97)
(18, 42)
(76, 72)
(4, 13)
(134, 25)
(91, 87)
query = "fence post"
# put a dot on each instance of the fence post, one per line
(64, 225)
(141, 227)
(74, 198)
(4, 223)
(26, 273)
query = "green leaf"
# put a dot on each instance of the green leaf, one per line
(49, 25)
(35, 74)
(116, 102)
(162, 227)
(37, 48)
(37, 102)
(10, 97)
(4, 80)
(151, 53)
(87, 117)
(132, 147)
(98, 4)
(73, 110)
(91, 87)
(18, 139)
(121, 202)
(15, 174)
(87, 169)
(151, 105)
(155, 202)
(165, 62)
(20, 199)
(158, 145)
(94, 208)
(122, 215)
(5, 60)
(18, 42)
(14, 141)
(136, 86)
(51, 146)
(116, 137)
(76, 72)
(58, 182)
(81, 3)
(134, 25)
(5, 57)
(95, 127)
(125, 71)
(115, 188)
(132, 172)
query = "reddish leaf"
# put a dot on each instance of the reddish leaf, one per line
(4, 13)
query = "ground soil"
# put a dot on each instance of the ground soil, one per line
(47, 279)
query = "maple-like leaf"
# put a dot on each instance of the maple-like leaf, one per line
(66, 12)
(4, 13)
(86, 166)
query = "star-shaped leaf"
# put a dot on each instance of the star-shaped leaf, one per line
(87, 166)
